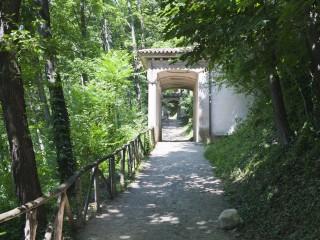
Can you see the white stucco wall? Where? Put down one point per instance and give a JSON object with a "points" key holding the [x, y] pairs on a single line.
{"points": [[227, 108]]}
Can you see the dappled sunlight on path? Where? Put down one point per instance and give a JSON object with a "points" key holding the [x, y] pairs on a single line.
{"points": [[176, 196]]}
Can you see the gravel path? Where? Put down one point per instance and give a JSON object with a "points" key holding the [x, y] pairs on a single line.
{"points": [[172, 131], [176, 196]]}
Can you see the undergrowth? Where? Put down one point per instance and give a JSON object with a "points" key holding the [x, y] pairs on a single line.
{"points": [[275, 188]]}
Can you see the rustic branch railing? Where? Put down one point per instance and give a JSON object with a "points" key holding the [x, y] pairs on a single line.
{"points": [[132, 153]]}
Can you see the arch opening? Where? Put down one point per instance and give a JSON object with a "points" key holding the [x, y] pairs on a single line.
{"points": [[185, 83], [177, 115]]}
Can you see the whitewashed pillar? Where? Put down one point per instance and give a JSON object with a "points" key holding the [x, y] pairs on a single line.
{"points": [[195, 114], [158, 129], [203, 107], [152, 98]]}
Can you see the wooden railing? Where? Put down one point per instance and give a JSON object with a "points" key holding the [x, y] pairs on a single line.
{"points": [[128, 157]]}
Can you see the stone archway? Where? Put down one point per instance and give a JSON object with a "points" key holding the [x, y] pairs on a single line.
{"points": [[165, 71], [176, 113], [180, 79]]}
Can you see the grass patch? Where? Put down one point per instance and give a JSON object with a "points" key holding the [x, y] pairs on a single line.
{"points": [[275, 188]]}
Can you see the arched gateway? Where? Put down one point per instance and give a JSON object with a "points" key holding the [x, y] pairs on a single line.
{"points": [[164, 72]]}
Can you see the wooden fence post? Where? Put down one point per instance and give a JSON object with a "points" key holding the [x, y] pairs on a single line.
{"points": [[122, 167], [147, 142], [144, 153], [69, 214], [133, 156], [80, 219], [96, 188], [151, 136], [130, 159], [30, 230], [105, 182], [112, 171], [86, 205], [136, 152], [59, 218]]}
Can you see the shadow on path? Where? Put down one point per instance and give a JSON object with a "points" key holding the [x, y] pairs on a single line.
{"points": [[176, 196]]}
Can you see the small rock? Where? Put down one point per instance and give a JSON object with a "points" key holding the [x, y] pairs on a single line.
{"points": [[229, 219]]}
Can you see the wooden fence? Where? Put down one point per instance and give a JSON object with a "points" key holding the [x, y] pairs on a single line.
{"points": [[128, 157]]}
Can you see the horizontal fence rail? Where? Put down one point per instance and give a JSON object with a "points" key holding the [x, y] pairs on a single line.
{"points": [[127, 158]]}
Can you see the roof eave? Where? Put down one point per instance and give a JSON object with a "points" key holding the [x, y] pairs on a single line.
{"points": [[147, 54]]}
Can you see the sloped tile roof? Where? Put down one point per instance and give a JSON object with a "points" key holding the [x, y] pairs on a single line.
{"points": [[165, 50]]}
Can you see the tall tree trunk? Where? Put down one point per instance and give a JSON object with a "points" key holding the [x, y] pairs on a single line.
{"points": [[83, 28], [135, 52], [279, 108], [43, 99], [105, 34], [60, 117], [314, 48], [61, 131], [24, 168], [2, 149], [142, 28], [133, 34], [306, 96], [36, 123]]}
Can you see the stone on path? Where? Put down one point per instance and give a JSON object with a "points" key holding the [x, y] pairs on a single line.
{"points": [[175, 197], [229, 219]]}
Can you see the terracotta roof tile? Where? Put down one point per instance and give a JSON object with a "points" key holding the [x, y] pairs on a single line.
{"points": [[165, 50]]}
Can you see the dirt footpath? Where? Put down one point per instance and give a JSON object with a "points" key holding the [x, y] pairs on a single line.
{"points": [[175, 197]]}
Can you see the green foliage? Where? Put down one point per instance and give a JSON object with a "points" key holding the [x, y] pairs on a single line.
{"points": [[101, 116], [186, 103], [276, 188], [10, 231], [103, 111]]}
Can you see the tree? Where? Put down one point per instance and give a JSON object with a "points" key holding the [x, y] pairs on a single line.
{"points": [[142, 27], [24, 168], [60, 117], [135, 53], [313, 36], [240, 37], [84, 35], [105, 34]]}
